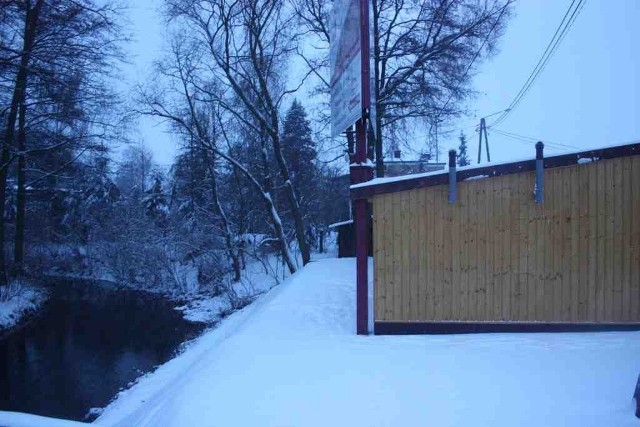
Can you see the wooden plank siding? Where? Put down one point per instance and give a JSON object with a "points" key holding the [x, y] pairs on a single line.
{"points": [[496, 256]]}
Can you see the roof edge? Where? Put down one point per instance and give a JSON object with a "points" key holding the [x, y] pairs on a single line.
{"points": [[409, 182]]}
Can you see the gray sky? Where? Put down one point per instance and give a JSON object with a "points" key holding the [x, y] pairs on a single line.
{"points": [[586, 97]]}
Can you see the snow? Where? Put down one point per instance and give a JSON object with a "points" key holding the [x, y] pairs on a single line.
{"points": [[257, 278], [16, 419], [472, 178], [292, 358], [338, 224], [23, 300], [583, 160], [366, 163]]}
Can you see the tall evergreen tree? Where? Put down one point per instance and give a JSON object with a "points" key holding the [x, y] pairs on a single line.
{"points": [[463, 156], [298, 147]]}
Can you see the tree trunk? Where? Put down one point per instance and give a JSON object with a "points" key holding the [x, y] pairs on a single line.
{"points": [[275, 218], [293, 201], [17, 99], [21, 197], [376, 87], [228, 235]]}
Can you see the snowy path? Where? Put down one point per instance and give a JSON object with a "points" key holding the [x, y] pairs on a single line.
{"points": [[292, 359]]}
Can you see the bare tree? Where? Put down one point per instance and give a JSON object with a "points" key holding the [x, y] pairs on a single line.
{"points": [[188, 103], [249, 42], [424, 54]]}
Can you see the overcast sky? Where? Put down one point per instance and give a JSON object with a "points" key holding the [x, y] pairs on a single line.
{"points": [[586, 97]]}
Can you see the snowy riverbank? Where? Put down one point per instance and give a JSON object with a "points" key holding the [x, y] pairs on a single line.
{"points": [[292, 358], [18, 301]]}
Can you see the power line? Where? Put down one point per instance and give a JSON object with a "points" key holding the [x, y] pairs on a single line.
{"points": [[532, 141], [567, 21]]}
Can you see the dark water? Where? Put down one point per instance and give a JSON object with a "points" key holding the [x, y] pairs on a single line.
{"points": [[87, 344]]}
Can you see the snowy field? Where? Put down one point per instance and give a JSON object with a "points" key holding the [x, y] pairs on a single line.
{"points": [[19, 301], [292, 359]]}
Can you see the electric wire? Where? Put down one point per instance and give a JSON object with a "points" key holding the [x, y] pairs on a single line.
{"points": [[565, 25]]}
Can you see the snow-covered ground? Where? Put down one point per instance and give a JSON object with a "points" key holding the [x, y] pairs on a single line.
{"points": [[257, 278], [293, 359], [17, 301]]}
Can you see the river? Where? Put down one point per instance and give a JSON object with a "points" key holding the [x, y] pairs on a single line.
{"points": [[88, 342]]}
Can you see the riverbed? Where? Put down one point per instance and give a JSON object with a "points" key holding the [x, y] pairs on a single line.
{"points": [[87, 343]]}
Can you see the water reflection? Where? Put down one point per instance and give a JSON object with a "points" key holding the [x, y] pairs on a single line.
{"points": [[88, 343]]}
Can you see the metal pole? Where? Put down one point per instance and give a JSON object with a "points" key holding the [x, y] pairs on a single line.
{"points": [[480, 141], [486, 139], [452, 176], [539, 172], [361, 171]]}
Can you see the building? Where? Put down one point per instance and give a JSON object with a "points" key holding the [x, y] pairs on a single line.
{"points": [[473, 250]]}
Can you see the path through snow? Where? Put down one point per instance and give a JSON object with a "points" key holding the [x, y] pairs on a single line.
{"points": [[292, 359]]}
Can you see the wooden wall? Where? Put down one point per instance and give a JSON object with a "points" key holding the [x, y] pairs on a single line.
{"points": [[495, 255]]}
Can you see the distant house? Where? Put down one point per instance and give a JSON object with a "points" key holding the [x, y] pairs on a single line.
{"points": [[347, 239], [398, 167]]}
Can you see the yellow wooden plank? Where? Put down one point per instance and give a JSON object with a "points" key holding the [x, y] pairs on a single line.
{"points": [[465, 249], [410, 245], [421, 252], [523, 225], [596, 243], [533, 261], [431, 255], [382, 241], [542, 238], [633, 218], [618, 208], [609, 266], [507, 269], [626, 249], [481, 249], [456, 223], [473, 234], [492, 255], [498, 248], [575, 244], [448, 258], [377, 273], [601, 216], [515, 249], [396, 256], [555, 274], [584, 241], [440, 218], [566, 222], [388, 257]]}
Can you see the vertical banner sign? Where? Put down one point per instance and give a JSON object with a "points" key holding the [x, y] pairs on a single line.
{"points": [[373, 99], [345, 57]]}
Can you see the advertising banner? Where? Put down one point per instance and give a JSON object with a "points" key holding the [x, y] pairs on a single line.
{"points": [[345, 57]]}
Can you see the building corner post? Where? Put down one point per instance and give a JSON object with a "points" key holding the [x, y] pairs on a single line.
{"points": [[539, 190], [452, 176]]}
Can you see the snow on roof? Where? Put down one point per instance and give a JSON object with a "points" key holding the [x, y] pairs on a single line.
{"points": [[387, 180]]}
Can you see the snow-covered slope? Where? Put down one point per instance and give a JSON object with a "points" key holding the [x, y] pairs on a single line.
{"points": [[24, 300], [293, 359]]}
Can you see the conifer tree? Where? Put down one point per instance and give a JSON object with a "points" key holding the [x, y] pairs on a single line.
{"points": [[298, 147], [463, 156]]}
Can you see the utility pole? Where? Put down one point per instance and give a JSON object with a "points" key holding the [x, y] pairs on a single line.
{"points": [[483, 130]]}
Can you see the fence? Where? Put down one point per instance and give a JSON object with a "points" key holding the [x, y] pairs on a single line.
{"points": [[494, 255]]}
